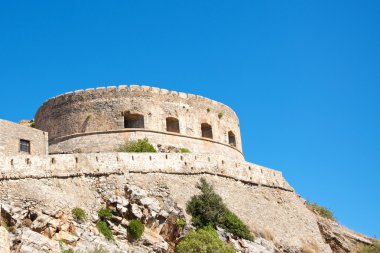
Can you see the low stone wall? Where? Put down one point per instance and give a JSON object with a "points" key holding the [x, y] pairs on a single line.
{"points": [[109, 140], [98, 164]]}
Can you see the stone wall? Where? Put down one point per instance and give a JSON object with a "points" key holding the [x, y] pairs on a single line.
{"points": [[11, 133], [110, 140], [103, 109], [77, 165]]}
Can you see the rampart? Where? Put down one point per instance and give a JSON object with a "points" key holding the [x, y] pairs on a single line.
{"points": [[100, 164], [95, 120]]}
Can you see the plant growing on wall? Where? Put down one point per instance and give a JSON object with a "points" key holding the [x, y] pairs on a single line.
{"points": [[139, 146]]}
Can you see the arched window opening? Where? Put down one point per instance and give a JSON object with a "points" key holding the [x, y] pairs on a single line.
{"points": [[231, 139], [133, 120], [172, 125], [206, 130]]}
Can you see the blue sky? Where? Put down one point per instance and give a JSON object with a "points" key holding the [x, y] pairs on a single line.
{"points": [[303, 77]]}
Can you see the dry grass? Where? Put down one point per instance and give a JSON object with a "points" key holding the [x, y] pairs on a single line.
{"points": [[266, 234], [309, 247]]}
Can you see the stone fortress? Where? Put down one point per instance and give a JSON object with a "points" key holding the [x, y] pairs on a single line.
{"points": [[85, 127], [69, 160]]}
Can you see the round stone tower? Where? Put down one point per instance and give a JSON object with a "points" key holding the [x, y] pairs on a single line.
{"points": [[101, 119]]}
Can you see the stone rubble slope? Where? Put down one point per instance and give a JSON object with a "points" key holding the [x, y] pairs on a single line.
{"points": [[35, 231]]}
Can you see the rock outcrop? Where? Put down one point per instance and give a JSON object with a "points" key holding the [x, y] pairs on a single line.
{"points": [[38, 213]]}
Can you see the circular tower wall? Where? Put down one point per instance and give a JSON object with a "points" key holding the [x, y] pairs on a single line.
{"points": [[98, 120]]}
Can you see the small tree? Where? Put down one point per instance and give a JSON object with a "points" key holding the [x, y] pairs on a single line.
{"points": [[203, 240], [206, 208]]}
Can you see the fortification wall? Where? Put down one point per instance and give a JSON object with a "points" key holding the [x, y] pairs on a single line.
{"points": [[108, 141], [77, 165], [11, 133], [102, 110]]}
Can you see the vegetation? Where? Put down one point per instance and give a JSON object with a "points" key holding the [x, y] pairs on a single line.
{"points": [[181, 222], [203, 240], [139, 146], [208, 109], [208, 209], [105, 214], [233, 224], [136, 229], [104, 230], [220, 115], [375, 248], [79, 214], [184, 150], [321, 211]]}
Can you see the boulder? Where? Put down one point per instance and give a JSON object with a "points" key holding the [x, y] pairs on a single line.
{"points": [[33, 242]]}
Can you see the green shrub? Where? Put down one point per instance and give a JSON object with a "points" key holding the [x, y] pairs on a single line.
{"points": [[139, 146], [233, 224], [67, 251], [104, 230], [322, 211], [184, 150], [203, 240], [79, 214], [220, 115], [208, 209], [105, 214], [181, 222], [136, 229]]}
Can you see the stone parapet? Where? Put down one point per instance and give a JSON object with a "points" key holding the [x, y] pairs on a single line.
{"points": [[98, 164]]}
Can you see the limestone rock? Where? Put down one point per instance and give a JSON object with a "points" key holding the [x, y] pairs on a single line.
{"points": [[4, 240], [151, 203], [33, 242]]}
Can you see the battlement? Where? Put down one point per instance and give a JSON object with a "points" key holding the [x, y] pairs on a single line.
{"points": [[98, 164], [123, 89]]}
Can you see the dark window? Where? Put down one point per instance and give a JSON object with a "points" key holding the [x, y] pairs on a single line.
{"points": [[133, 120], [25, 146], [172, 125], [206, 130], [231, 139]]}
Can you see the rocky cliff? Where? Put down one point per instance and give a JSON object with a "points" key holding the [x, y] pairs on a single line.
{"points": [[38, 214]]}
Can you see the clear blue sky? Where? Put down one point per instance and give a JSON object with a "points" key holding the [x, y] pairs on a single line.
{"points": [[303, 76]]}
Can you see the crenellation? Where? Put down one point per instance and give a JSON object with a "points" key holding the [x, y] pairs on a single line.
{"points": [[134, 87]]}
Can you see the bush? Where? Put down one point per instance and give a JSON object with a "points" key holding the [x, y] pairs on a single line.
{"points": [[233, 224], [105, 214], [139, 146], [104, 230], [184, 150], [208, 209], [220, 115], [180, 222], [203, 240], [136, 229], [79, 214], [321, 211]]}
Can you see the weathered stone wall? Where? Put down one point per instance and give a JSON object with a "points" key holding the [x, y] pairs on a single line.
{"points": [[110, 140], [102, 110], [11, 133], [74, 165]]}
